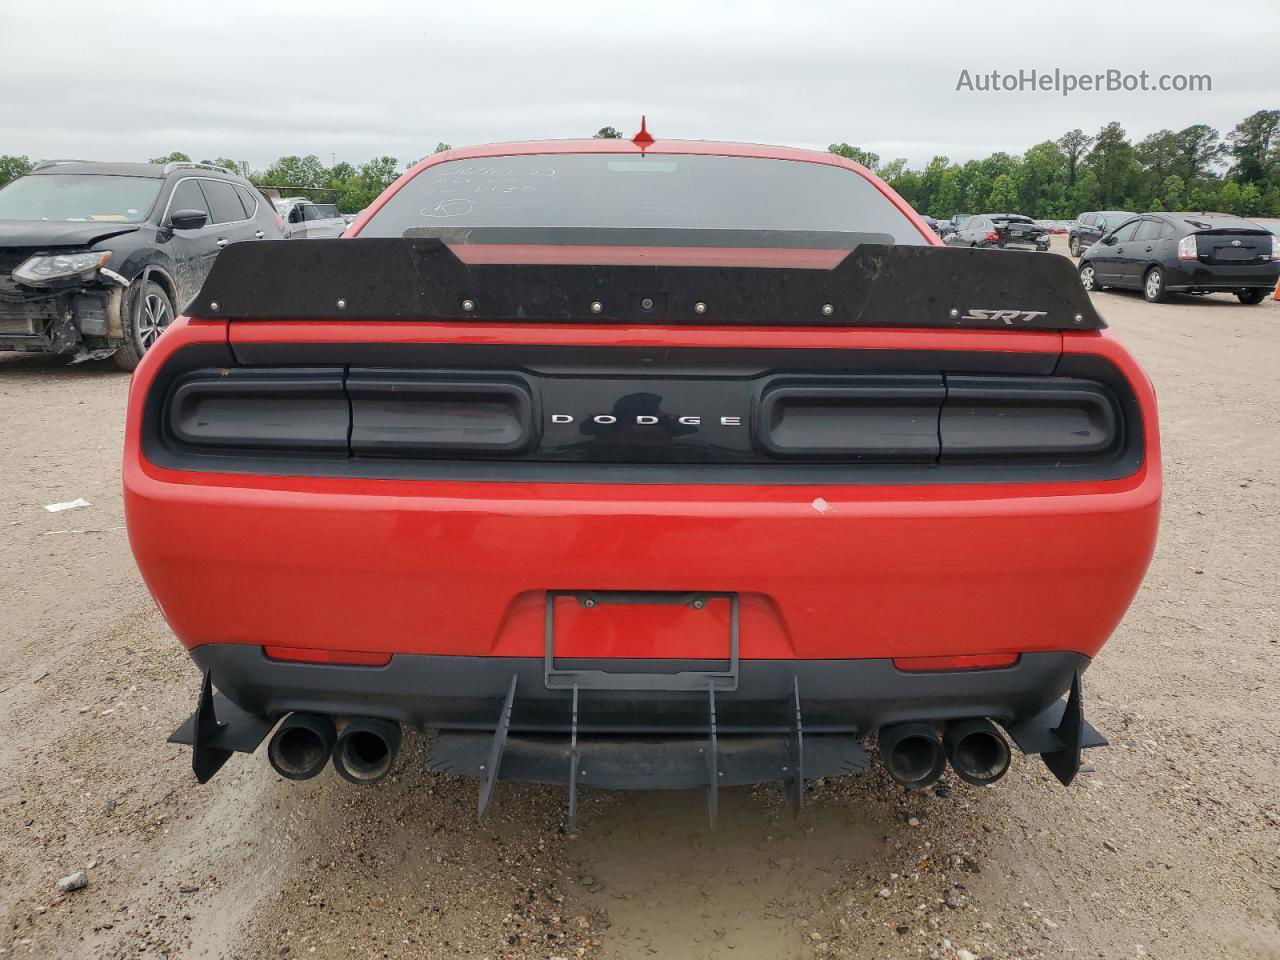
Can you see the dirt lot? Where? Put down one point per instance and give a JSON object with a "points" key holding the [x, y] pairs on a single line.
{"points": [[1170, 849]]}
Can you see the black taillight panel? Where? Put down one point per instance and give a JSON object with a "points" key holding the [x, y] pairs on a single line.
{"points": [[1018, 418], [291, 410], [408, 413], [660, 419], [854, 418]]}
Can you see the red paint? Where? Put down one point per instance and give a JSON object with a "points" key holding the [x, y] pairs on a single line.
{"points": [[648, 631], [460, 567]]}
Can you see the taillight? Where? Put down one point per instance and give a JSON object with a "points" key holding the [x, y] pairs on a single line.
{"points": [[992, 237], [1275, 247], [1187, 248], [279, 222]]}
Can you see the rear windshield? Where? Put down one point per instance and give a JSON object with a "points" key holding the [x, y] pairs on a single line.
{"points": [[567, 198], [78, 196]]}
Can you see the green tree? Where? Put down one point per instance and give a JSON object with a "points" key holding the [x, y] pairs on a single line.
{"points": [[931, 184], [294, 172], [1113, 162], [1040, 181], [1004, 195], [1160, 154], [379, 172], [441, 147], [1174, 191], [865, 157], [1205, 197], [1228, 200], [175, 157], [607, 133], [947, 199], [1199, 150], [1251, 142], [1250, 201], [1074, 145], [12, 167]]}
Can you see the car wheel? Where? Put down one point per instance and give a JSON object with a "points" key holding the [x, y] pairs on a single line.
{"points": [[1089, 279], [1074, 246], [1153, 285], [1255, 295], [142, 327]]}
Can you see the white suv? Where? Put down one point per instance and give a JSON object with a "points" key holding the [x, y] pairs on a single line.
{"points": [[304, 220]]}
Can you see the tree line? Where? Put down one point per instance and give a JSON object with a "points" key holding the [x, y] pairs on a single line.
{"points": [[1190, 169]]}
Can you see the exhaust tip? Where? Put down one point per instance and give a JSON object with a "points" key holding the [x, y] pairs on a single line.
{"points": [[979, 754], [912, 753], [366, 749], [301, 745]]}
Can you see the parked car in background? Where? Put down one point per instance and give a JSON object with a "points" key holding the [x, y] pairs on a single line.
{"points": [[933, 224], [96, 259], [1090, 227], [1008, 231], [1052, 226], [948, 227], [306, 220], [1160, 253]]}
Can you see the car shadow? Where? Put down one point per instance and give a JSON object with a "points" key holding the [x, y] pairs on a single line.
{"points": [[1203, 301], [16, 366]]}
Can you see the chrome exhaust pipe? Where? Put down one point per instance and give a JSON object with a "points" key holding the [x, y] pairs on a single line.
{"points": [[979, 754], [366, 749], [301, 745], [912, 753]]}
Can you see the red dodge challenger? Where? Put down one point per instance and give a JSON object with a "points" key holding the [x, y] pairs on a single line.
{"points": [[641, 464]]}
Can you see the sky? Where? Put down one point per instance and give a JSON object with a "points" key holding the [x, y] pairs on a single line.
{"points": [[349, 81]]}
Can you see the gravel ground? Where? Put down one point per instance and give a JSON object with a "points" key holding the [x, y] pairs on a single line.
{"points": [[1169, 849]]}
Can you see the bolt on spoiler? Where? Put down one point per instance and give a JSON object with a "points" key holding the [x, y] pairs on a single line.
{"points": [[421, 278]]}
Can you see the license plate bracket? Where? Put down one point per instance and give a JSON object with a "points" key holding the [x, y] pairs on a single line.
{"points": [[704, 612]]}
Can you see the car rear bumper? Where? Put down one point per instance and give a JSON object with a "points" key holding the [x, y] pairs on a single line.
{"points": [[467, 693], [1222, 277]]}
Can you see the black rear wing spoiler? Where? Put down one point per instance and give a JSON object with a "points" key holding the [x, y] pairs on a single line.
{"points": [[420, 278]]}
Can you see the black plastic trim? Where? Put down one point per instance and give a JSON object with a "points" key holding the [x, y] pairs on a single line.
{"points": [[296, 410], [414, 413], [889, 418], [642, 366], [1019, 417], [466, 692]]}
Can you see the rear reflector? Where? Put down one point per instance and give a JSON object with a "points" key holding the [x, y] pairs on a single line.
{"points": [[970, 661], [349, 658]]}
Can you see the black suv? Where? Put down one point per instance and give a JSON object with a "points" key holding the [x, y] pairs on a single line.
{"points": [[95, 257], [1160, 253], [1090, 227], [1008, 231]]}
